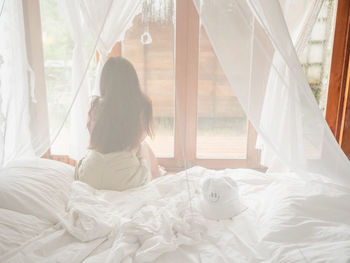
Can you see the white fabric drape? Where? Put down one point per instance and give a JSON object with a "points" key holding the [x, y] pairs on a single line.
{"points": [[244, 34], [17, 96], [300, 17], [79, 135]]}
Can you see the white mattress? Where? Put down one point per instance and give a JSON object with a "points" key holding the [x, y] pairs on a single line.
{"points": [[289, 219]]}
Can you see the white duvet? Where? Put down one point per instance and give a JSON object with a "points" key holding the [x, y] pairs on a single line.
{"points": [[289, 219]]}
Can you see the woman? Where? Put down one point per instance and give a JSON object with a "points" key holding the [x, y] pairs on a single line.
{"points": [[119, 121]]}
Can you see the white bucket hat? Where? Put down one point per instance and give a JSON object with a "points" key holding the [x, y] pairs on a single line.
{"points": [[220, 199]]}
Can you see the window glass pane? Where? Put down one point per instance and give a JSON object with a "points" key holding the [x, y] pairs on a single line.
{"points": [[317, 55], [221, 122], [154, 64]]}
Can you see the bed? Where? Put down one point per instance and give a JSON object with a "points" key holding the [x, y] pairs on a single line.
{"points": [[45, 216]]}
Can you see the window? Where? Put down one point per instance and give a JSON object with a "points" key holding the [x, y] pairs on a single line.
{"points": [[222, 126], [197, 115], [182, 115], [200, 120]]}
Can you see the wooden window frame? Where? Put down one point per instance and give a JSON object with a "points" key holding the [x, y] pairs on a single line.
{"points": [[338, 101], [186, 96]]}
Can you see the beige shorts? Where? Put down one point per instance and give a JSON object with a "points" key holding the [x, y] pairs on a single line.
{"points": [[116, 171]]}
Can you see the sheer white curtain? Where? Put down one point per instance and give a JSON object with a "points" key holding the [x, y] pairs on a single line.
{"points": [[256, 51], [104, 23], [119, 20], [77, 29], [18, 137], [300, 17], [101, 22]]}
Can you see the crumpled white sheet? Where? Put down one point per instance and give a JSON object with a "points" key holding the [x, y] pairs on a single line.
{"points": [[141, 230], [289, 219]]}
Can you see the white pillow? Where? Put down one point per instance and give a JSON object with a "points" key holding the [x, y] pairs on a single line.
{"points": [[38, 187]]}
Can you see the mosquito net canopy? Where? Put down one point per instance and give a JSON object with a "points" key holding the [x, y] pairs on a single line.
{"points": [[256, 42]]}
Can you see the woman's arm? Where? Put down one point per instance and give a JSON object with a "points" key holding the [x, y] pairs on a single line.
{"points": [[92, 114]]}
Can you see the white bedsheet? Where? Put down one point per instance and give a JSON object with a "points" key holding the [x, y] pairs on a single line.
{"points": [[289, 219]]}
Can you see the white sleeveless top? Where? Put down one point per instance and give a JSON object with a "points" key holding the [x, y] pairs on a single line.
{"points": [[116, 171]]}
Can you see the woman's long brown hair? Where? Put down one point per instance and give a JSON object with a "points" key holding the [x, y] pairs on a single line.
{"points": [[124, 111]]}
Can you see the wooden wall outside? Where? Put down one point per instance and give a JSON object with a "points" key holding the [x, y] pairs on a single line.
{"points": [[155, 66]]}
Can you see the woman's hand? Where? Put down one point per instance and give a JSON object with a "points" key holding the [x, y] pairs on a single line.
{"points": [[146, 152], [162, 170]]}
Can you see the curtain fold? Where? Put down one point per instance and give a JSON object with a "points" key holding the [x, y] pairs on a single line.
{"points": [[279, 103], [16, 89], [300, 17], [78, 133]]}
